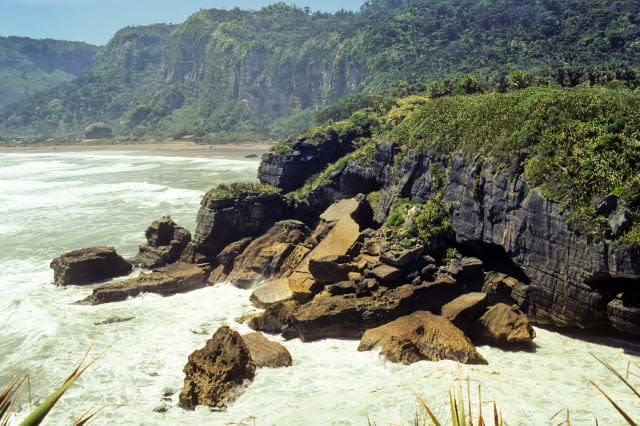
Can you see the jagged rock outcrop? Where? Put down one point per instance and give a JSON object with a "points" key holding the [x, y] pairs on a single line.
{"points": [[165, 242], [568, 278], [175, 278], [89, 265], [337, 232], [264, 256], [215, 373], [266, 353], [421, 336], [221, 221], [349, 315]]}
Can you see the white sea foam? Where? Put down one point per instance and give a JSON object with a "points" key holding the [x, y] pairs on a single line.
{"points": [[141, 359]]}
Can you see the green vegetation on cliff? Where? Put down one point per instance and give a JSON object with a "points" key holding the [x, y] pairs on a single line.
{"points": [[29, 66], [236, 189], [267, 73], [576, 144]]}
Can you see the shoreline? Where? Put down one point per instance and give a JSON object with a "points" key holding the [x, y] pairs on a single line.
{"points": [[172, 149]]}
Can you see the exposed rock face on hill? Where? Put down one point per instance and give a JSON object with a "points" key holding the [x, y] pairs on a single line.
{"points": [[90, 265], [305, 158]]}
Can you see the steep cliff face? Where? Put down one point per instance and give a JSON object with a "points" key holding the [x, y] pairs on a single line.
{"points": [[584, 276], [231, 216], [136, 48], [275, 60], [491, 208]]}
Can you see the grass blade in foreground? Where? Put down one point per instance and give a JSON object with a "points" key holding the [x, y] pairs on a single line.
{"points": [[41, 411]]}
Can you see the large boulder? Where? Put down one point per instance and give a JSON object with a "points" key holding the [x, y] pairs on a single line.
{"points": [[421, 336], [349, 315], [165, 242], [270, 292], [175, 278], [624, 312], [89, 265], [266, 353], [230, 214], [215, 373], [504, 325], [500, 287], [264, 256]]}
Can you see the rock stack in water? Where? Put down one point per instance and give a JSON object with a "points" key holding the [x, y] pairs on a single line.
{"points": [[87, 266], [215, 374], [166, 240]]}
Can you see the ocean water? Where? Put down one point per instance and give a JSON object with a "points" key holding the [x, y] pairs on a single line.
{"points": [[52, 203]]}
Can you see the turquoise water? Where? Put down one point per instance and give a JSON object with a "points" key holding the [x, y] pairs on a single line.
{"points": [[52, 203]]}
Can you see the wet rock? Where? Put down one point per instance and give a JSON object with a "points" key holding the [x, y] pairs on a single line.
{"points": [[270, 292], [465, 310], [113, 320], [229, 254], [344, 287], [87, 266], [265, 255], [504, 325], [163, 408], [166, 241], [624, 312], [215, 373], [421, 336], [266, 353], [275, 318], [221, 221], [175, 278]]}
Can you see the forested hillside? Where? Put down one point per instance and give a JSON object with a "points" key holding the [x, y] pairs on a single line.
{"points": [[29, 66], [125, 72], [245, 74]]}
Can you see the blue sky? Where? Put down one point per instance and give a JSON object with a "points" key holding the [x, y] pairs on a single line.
{"points": [[95, 21]]}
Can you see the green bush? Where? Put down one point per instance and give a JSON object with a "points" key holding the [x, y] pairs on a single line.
{"points": [[98, 131]]}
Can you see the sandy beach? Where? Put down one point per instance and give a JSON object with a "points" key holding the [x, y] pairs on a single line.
{"points": [[174, 148]]}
